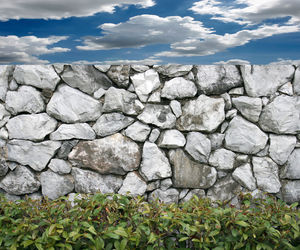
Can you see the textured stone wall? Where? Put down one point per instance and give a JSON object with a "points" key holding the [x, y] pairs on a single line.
{"points": [[159, 131]]}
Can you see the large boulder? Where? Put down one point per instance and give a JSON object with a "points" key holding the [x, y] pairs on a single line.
{"points": [[133, 184], [73, 131], [178, 88]]}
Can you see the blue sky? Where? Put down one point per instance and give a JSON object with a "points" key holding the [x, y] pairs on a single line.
{"points": [[149, 31]]}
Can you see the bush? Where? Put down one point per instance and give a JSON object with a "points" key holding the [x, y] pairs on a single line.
{"points": [[120, 222]]}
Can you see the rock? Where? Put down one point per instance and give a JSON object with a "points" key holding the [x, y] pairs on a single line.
{"points": [[20, 181], [36, 155], [154, 135], [119, 74], [25, 99], [281, 116], [35, 196], [286, 89], [236, 91], [4, 115], [249, 107], [217, 79], [155, 97], [183, 193], [165, 184], [231, 114], [102, 68], [99, 93], [227, 100], [3, 168], [198, 146], [85, 77], [145, 83], [171, 138], [241, 159], [178, 88], [13, 85], [111, 123], [3, 134], [159, 115], [12, 165], [5, 71], [133, 184], [155, 164], [31, 127], [190, 174], [11, 197], [58, 67], [281, 146], [244, 137], [244, 176], [176, 108], [106, 155], [40, 76], [153, 185], [222, 159], [224, 189], [291, 170], [224, 126], [264, 152], [55, 185], [222, 174], [173, 70], [216, 140], [166, 196], [296, 82], [71, 106], [73, 131], [139, 68], [200, 193], [272, 77], [138, 131], [291, 191], [122, 100], [266, 174], [203, 114], [60, 166], [90, 182], [265, 101], [66, 148], [75, 198]]}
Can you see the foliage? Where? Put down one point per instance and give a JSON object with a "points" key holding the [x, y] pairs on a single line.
{"points": [[120, 222]]}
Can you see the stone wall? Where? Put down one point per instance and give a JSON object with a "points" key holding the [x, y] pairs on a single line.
{"points": [[160, 131]]}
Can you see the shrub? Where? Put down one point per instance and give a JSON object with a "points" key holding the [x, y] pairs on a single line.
{"points": [[120, 222]]}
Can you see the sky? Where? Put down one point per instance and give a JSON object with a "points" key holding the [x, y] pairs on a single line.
{"points": [[150, 31]]}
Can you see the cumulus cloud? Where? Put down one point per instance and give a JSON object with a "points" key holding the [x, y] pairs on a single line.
{"points": [[58, 9], [281, 61], [147, 61], [26, 49], [234, 62]]}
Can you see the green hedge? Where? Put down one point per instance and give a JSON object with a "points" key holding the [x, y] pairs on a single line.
{"points": [[120, 222]]}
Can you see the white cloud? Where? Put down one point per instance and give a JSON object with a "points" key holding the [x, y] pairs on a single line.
{"points": [[147, 61], [58, 9], [286, 61], [26, 49], [234, 62]]}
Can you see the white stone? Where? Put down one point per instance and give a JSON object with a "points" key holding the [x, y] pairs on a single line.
{"points": [[244, 137], [176, 108], [73, 131], [155, 97], [265, 101], [296, 82], [155, 164], [166, 196], [173, 70], [171, 138], [165, 184], [291, 191], [138, 131], [227, 100], [291, 169], [216, 140], [154, 135], [222, 159], [200, 193], [231, 114], [60, 166], [103, 68], [139, 68], [133, 184], [3, 134], [31, 127], [13, 85], [71, 106], [198, 146], [99, 93], [244, 176], [264, 80], [4, 115], [236, 91], [145, 83], [266, 173], [249, 107], [153, 185], [119, 74], [58, 67], [178, 88], [224, 126], [5, 71], [286, 89]]}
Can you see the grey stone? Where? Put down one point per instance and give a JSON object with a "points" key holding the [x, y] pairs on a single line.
{"points": [[25, 99], [222, 159], [281, 146], [85, 77], [203, 114], [165, 184], [66, 148], [139, 68], [173, 70], [4, 115], [71, 106], [241, 159], [138, 131], [222, 174], [227, 100], [60, 166], [155, 97], [12, 197], [244, 137], [35, 196], [291, 169], [36, 155], [216, 140], [20, 181], [145, 83], [291, 191], [264, 80], [171, 138], [5, 71], [103, 68], [154, 135], [178, 88], [3, 134], [166, 196], [198, 146], [55, 185], [266, 173], [3, 167], [99, 93], [31, 127], [244, 176], [12, 165], [236, 91], [40, 76], [200, 193], [90, 182], [119, 74], [73, 131], [176, 108], [231, 114], [281, 116], [133, 184], [190, 174], [106, 155], [159, 115], [286, 89], [264, 151], [183, 193], [13, 85], [155, 164], [249, 107], [58, 67], [122, 100], [265, 101], [217, 79], [111, 123], [296, 82], [153, 185]]}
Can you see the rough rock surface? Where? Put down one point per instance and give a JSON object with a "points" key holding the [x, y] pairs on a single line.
{"points": [[198, 146], [173, 70], [133, 184], [171, 138], [167, 196], [154, 135], [73, 131], [176, 108], [119, 74], [4, 115], [203, 114], [222, 159], [198, 192], [66, 148], [60, 166], [138, 131], [244, 176], [291, 191], [296, 82], [179, 88], [291, 170], [5, 70], [249, 107], [106, 155]]}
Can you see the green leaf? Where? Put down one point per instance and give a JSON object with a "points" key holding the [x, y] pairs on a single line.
{"points": [[99, 243], [123, 244], [89, 236], [214, 233], [51, 229], [92, 230], [183, 239], [152, 238], [121, 231], [234, 232], [27, 243], [242, 223], [113, 236]]}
